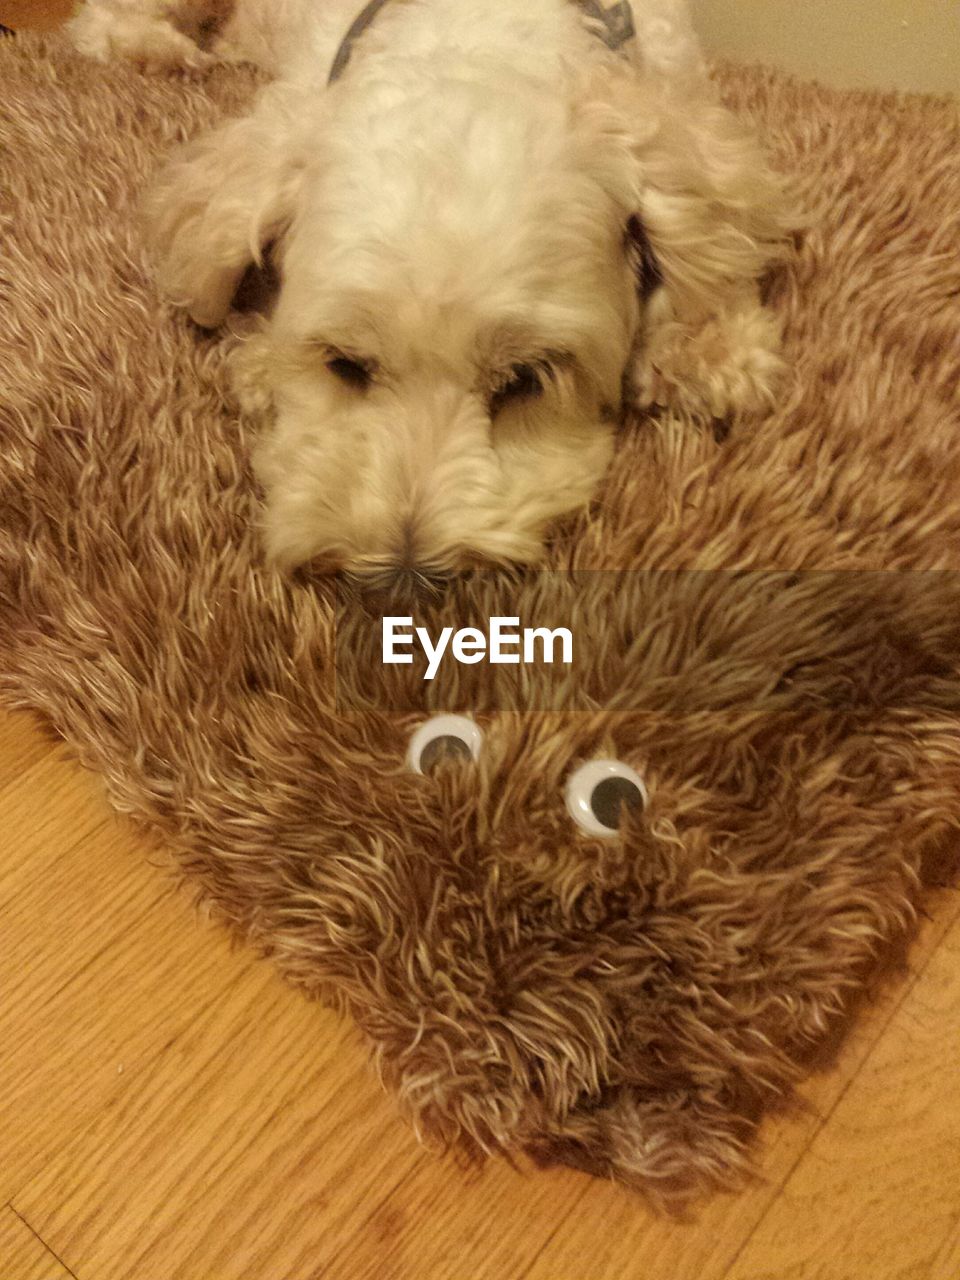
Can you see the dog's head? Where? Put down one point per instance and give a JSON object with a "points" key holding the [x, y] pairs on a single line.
{"points": [[459, 301], [447, 353]]}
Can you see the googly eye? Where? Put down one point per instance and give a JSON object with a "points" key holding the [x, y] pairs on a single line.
{"points": [[444, 737], [599, 791]]}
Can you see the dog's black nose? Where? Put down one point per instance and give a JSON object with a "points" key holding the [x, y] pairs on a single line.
{"points": [[396, 587]]}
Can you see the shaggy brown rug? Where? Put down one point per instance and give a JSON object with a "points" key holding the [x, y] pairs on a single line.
{"points": [[627, 1005]]}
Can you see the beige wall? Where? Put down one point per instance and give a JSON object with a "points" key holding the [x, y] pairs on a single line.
{"points": [[898, 44]]}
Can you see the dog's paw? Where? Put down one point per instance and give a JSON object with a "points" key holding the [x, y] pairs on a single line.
{"points": [[729, 364]]}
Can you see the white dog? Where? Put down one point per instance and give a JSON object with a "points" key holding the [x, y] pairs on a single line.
{"points": [[494, 219]]}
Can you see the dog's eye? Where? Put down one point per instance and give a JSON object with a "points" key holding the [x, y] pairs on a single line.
{"points": [[441, 738], [352, 372], [599, 791], [524, 382]]}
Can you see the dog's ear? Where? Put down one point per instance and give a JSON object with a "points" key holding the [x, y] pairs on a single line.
{"points": [[705, 217], [217, 203], [711, 210]]}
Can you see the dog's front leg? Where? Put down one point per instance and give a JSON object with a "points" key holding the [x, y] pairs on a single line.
{"points": [[714, 218]]}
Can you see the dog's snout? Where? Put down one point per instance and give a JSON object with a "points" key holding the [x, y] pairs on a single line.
{"points": [[405, 576], [391, 586]]}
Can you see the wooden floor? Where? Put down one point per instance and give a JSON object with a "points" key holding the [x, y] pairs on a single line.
{"points": [[38, 15], [170, 1111]]}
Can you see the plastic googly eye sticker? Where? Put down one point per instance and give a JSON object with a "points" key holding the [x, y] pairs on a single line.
{"points": [[444, 737], [598, 792]]}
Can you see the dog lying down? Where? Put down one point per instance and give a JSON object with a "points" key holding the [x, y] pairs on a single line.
{"points": [[497, 224]]}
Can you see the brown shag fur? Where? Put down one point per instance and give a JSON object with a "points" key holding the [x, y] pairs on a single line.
{"points": [[626, 1006]]}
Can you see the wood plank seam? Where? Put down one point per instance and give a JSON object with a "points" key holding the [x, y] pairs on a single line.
{"points": [[824, 1118], [9, 1205]]}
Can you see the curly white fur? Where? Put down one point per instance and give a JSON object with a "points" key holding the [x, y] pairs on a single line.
{"points": [[459, 315]]}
